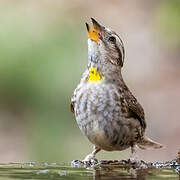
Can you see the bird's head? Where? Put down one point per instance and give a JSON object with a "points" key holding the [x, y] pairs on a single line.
{"points": [[105, 50]]}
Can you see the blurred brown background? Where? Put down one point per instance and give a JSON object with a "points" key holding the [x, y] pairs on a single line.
{"points": [[43, 52]]}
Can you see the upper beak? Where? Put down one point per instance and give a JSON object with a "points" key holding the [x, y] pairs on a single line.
{"points": [[96, 32]]}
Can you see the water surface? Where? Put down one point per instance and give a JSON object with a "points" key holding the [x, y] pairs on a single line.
{"points": [[65, 172]]}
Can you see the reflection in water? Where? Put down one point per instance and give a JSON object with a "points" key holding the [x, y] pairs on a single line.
{"points": [[116, 173]]}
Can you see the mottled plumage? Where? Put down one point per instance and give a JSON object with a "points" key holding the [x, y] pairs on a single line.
{"points": [[105, 110]]}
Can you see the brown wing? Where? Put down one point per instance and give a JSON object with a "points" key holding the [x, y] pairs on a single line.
{"points": [[72, 106], [134, 108], [73, 101]]}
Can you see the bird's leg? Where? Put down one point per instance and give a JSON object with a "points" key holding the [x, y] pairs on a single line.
{"points": [[133, 157], [92, 155]]}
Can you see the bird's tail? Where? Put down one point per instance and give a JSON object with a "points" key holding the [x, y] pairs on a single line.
{"points": [[147, 143]]}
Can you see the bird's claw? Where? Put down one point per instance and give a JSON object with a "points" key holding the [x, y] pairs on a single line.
{"points": [[90, 159]]}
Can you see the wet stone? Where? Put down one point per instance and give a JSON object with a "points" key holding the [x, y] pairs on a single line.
{"points": [[174, 164], [111, 163], [77, 163], [169, 164], [177, 169]]}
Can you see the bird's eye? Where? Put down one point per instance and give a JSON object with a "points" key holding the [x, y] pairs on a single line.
{"points": [[112, 39]]}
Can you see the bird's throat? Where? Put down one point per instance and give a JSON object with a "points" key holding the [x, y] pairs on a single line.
{"points": [[95, 75]]}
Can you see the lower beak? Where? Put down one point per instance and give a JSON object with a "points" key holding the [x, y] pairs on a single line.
{"points": [[95, 33]]}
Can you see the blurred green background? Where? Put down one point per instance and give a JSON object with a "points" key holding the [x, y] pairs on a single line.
{"points": [[43, 52]]}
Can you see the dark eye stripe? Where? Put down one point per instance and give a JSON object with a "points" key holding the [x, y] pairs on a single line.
{"points": [[123, 55], [120, 57], [123, 51]]}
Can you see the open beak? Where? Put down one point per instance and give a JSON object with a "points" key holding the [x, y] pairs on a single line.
{"points": [[96, 32]]}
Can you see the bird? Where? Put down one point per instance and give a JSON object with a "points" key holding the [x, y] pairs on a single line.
{"points": [[106, 111]]}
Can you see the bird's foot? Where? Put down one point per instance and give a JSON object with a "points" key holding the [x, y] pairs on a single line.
{"points": [[134, 158], [91, 159]]}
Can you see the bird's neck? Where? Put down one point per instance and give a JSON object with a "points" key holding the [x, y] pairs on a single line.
{"points": [[98, 74], [95, 75]]}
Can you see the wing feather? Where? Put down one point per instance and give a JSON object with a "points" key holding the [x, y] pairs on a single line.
{"points": [[134, 108]]}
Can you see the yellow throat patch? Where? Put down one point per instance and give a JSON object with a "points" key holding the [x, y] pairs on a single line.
{"points": [[94, 75]]}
